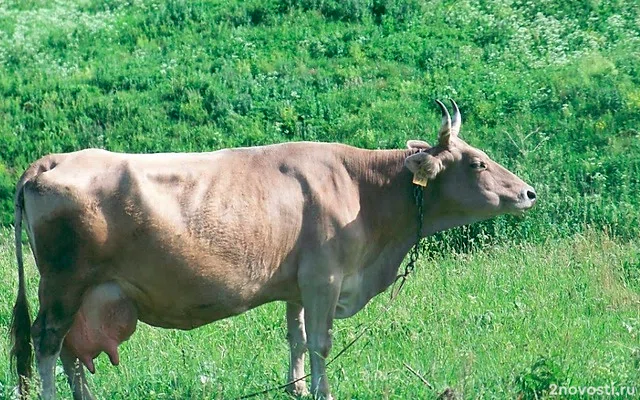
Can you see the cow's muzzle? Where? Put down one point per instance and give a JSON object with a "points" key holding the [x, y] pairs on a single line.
{"points": [[527, 198]]}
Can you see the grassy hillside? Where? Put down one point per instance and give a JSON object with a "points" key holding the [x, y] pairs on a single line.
{"points": [[549, 88]]}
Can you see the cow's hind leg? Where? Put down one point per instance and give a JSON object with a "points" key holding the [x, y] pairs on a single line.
{"points": [[75, 375], [298, 346], [58, 306], [319, 298]]}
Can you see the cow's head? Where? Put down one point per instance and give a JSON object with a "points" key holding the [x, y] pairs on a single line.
{"points": [[464, 183]]}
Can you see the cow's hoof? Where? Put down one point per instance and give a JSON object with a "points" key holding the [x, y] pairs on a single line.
{"points": [[298, 389], [322, 396]]}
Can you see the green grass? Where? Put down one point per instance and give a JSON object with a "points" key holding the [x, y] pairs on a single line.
{"points": [[495, 323]]}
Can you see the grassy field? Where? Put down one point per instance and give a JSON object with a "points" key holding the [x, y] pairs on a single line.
{"points": [[500, 309], [490, 324]]}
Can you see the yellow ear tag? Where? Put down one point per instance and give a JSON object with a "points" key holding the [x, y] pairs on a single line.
{"points": [[421, 178]]}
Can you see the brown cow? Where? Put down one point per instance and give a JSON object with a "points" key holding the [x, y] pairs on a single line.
{"points": [[181, 240]]}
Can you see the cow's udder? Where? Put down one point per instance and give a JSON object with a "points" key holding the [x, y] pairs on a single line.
{"points": [[105, 319]]}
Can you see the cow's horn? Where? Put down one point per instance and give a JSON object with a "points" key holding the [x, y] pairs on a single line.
{"points": [[456, 122], [445, 129]]}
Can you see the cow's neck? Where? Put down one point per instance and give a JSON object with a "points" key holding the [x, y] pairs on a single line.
{"points": [[386, 196], [386, 222], [388, 212]]}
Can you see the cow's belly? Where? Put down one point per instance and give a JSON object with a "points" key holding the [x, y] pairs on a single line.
{"points": [[173, 289], [189, 314], [188, 306]]}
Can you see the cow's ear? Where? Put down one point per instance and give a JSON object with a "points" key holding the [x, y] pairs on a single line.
{"points": [[418, 145], [423, 165]]}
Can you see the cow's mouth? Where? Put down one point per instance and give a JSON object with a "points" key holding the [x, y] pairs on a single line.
{"points": [[522, 206], [519, 212]]}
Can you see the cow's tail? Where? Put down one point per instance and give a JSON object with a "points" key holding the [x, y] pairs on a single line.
{"points": [[21, 350]]}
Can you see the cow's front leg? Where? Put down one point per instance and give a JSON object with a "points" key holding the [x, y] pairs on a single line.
{"points": [[298, 346], [319, 299]]}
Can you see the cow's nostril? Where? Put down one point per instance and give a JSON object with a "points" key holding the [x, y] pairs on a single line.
{"points": [[531, 194]]}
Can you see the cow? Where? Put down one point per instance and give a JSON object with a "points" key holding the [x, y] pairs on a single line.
{"points": [[179, 240]]}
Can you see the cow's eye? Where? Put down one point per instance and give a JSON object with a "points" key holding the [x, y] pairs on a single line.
{"points": [[478, 165]]}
